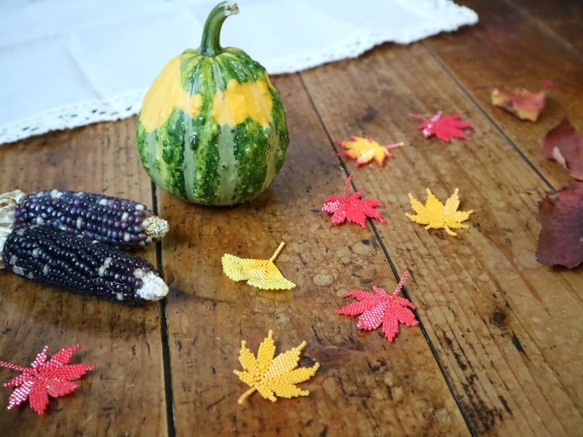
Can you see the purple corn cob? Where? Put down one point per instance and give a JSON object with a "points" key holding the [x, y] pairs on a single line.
{"points": [[121, 223], [62, 259]]}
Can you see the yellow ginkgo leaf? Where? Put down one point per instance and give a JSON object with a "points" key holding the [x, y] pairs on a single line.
{"points": [[271, 376], [364, 150], [436, 215], [260, 273]]}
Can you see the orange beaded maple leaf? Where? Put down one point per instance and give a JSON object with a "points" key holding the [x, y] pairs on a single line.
{"points": [[380, 308], [44, 378], [352, 208], [364, 150], [271, 376]]}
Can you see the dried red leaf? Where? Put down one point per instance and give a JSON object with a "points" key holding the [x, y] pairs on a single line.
{"points": [[560, 241], [381, 308], [444, 127], [566, 147], [525, 104], [44, 378], [352, 208]]}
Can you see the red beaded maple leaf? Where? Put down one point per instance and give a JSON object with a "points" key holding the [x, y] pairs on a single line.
{"points": [[444, 127], [44, 378], [381, 308], [352, 208]]}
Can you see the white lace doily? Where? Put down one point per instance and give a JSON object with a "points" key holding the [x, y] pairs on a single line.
{"points": [[67, 63]]}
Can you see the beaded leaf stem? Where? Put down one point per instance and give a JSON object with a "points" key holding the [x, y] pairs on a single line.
{"points": [[271, 376], [45, 378]]}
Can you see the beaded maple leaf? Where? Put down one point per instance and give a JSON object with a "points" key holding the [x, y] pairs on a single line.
{"points": [[444, 127], [352, 208], [436, 215], [271, 376], [364, 150], [260, 273], [380, 308], [45, 378]]}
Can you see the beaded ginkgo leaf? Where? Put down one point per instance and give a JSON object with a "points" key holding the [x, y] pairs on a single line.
{"points": [[352, 208], [260, 273], [380, 308], [273, 376], [45, 378], [364, 150], [436, 215]]}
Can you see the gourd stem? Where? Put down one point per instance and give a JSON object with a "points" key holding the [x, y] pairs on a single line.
{"points": [[210, 44]]}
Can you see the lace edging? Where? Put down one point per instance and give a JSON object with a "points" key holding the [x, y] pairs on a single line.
{"points": [[129, 104]]}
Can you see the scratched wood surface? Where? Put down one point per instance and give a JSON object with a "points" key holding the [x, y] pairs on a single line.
{"points": [[124, 343], [498, 350]]}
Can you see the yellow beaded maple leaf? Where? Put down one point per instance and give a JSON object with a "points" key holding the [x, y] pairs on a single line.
{"points": [[436, 215], [271, 376], [364, 150], [260, 273]]}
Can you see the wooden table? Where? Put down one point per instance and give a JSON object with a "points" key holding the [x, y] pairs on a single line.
{"points": [[498, 349]]}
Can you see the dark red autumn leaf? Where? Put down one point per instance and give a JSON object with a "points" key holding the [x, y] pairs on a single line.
{"points": [[566, 147], [352, 208], [560, 215], [445, 127], [525, 104], [45, 378], [381, 308]]}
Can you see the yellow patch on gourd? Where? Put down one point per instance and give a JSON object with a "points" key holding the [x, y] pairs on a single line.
{"points": [[164, 95], [239, 101]]}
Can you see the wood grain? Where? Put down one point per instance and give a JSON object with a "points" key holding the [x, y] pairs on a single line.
{"points": [[561, 17], [510, 49], [365, 386], [125, 393], [498, 350], [490, 308]]}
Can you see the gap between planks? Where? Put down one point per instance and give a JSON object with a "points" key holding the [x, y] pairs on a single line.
{"points": [[473, 431]]}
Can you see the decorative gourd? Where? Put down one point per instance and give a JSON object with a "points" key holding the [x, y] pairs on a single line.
{"points": [[212, 128]]}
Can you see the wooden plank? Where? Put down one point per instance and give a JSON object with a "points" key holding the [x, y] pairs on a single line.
{"points": [[125, 394], [365, 386], [563, 17], [509, 49], [505, 327]]}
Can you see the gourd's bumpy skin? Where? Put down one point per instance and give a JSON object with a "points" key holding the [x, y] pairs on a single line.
{"points": [[212, 129]]}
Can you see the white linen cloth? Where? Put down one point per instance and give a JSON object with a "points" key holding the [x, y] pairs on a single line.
{"points": [[67, 63]]}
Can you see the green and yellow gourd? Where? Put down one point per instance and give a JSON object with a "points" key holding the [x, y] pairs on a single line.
{"points": [[212, 129]]}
